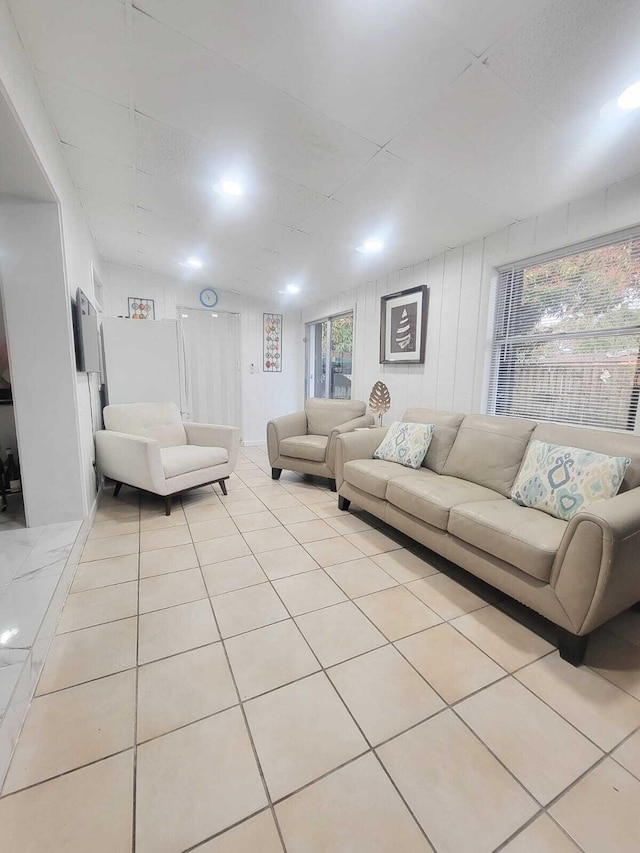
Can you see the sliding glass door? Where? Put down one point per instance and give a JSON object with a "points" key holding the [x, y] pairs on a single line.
{"points": [[330, 357]]}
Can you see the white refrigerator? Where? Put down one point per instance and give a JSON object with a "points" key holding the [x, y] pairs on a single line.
{"points": [[141, 361]]}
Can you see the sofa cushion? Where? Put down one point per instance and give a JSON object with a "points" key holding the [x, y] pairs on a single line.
{"points": [[191, 457], [313, 447], [563, 480], [430, 496], [405, 443], [526, 538], [488, 450], [446, 428], [372, 475], [599, 441], [323, 416]]}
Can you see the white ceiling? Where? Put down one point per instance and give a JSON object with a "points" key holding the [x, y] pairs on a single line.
{"points": [[426, 123]]}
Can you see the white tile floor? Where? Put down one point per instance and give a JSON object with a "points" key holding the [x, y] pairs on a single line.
{"points": [[261, 672]]}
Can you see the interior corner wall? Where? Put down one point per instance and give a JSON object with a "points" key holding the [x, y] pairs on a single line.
{"points": [[264, 395], [460, 323], [79, 251], [41, 360]]}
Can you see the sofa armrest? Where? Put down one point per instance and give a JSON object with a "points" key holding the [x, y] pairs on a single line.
{"points": [[356, 445], [131, 459], [596, 573], [285, 427], [349, 426], [213, 435]]}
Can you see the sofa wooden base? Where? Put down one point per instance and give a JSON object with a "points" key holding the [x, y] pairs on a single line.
{"points": [[275, 473], [168, 498], [343, 503]]}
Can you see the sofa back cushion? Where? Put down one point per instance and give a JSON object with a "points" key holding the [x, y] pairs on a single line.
{"points": [[599, 441], [325, 415], [160, 421], [488, 450], [405, 443], [446, 425], [562, 480]]}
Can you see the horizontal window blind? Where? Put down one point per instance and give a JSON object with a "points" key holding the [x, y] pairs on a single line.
{"points": [[566, 343]]}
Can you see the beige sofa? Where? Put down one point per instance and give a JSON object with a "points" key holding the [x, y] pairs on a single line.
{"points": [[306, 441], [577, 574]]}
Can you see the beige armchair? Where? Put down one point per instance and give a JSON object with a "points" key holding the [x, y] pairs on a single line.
{"points": [[148, 446], [306, 441]]}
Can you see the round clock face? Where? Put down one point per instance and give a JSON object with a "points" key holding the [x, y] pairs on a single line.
{"points": [[208, 297]]}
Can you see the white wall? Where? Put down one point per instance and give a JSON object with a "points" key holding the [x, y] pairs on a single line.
{"points": [[264, 395], [18, 83], [42, 361], [460, 286]]}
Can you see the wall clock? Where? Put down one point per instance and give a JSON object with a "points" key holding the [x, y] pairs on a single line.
{"points": [[209, 297]]}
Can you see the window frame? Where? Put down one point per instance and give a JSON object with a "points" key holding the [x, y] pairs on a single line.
{"points": [[500, 316], [328, 319]]}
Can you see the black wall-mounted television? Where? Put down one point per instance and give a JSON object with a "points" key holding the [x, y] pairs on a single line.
{"points": [[86, 333]]}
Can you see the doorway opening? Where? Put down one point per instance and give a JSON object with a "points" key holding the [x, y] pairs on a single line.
{"points": [[210, 366]]}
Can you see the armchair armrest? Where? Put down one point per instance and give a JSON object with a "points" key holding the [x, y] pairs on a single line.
{"points": [[349, 426], [131, 459], [597, 570], [356, 445], [285, 427], [213, 435]]}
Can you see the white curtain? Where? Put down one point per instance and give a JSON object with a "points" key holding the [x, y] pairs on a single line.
{"points": [[210, 366]]}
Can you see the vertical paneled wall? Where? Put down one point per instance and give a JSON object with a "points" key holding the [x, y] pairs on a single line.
{"points": [[454, 374]]}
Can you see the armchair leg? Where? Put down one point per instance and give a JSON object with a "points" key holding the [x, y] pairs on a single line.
{"points": [[116, 490], [572, 648], [223, 486], [275, 473], [332, 485], [343, 503], [167, 505]]}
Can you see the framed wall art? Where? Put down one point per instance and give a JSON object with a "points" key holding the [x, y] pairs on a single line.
{"points": [[272, 331], [403, 326], [141, 309]]}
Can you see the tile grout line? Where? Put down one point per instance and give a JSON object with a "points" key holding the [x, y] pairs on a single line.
{"points": [[135, 717], [349, 712], [244, 717]]}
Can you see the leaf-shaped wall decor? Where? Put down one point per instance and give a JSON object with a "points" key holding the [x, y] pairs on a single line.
{"points": [[380, 399]]}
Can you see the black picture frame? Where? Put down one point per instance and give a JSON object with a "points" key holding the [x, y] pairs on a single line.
{"points": [[412, 306]]}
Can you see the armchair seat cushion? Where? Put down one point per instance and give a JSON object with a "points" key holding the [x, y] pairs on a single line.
{"points": [[431, 497], [372, 475], [190, 457], [313, 447], [526, 538]]}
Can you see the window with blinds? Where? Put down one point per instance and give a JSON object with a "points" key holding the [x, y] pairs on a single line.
{"points": [[566, 343]]}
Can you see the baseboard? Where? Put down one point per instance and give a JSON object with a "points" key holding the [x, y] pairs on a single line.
{"points": [[258, 443]]}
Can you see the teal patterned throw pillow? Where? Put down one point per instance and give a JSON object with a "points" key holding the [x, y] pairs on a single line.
{"points": [[562, 480], [406, 444]]}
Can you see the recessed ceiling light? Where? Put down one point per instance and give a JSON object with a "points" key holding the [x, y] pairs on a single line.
{"points": [[231, 188], [369, 246], [630, 98], [192, 263], [290, 288]]}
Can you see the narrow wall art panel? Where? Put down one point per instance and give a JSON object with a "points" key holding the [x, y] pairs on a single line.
{"points": [[272, 331]]}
